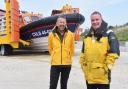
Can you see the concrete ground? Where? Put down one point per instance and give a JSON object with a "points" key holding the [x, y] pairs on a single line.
{"points": [[31, 71]]}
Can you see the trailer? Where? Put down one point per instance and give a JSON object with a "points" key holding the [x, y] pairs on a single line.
{"points": [[23, 30], [9, 28]]}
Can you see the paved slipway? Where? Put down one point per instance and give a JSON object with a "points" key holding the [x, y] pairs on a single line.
{"points": [[31, 71]]}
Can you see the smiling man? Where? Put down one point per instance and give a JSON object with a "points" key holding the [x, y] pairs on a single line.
{"points": [[99, 51], [61, 49]]}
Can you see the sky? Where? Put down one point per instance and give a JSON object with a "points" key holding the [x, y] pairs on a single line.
{"points": [[114, 12]]}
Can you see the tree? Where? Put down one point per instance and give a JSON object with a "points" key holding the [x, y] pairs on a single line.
{"points": [[110, 27]]}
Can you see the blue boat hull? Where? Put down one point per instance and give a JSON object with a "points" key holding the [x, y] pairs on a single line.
{"points": [[42, 27]]}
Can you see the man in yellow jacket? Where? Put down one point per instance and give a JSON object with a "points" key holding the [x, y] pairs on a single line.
{"points": [[61, 49], [99, 52]]}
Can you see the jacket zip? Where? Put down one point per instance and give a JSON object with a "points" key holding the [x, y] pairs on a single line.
{"points": [[61, 53], [61, 47]]}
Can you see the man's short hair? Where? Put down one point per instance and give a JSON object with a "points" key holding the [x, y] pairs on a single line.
{"points": [[96, 12], [61, 17]]}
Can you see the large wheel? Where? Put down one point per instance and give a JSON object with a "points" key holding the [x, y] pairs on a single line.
{"points": [[3, 51], [6, 50]]}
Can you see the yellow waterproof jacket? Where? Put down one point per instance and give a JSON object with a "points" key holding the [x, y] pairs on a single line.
{"points": [[97, 55], [61, 52]]}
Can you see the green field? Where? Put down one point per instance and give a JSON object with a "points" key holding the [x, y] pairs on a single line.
{"points": [[121, 33]]}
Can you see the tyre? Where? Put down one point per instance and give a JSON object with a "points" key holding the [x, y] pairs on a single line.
{"points": [[6, 50]]}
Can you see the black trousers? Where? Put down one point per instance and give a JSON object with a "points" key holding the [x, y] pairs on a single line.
{"points": [[98, 86], [63, 71]]}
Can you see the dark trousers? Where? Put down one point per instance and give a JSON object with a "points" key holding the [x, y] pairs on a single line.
{"points": [[63, 71], [98, 86]]}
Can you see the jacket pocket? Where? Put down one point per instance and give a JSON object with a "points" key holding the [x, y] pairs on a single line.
{"points": [[66, 54], [97, 71]]}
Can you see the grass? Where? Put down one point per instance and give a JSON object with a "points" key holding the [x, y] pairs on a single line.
{"points": [[121, 33]]}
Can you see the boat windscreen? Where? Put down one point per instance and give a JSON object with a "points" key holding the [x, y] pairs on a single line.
{"points": [[27, 19], [35, 18]]}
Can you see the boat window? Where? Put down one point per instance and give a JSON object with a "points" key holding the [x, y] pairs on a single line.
{"points": [[75, 11], [35, 18], [27, 19], [55, 12]]}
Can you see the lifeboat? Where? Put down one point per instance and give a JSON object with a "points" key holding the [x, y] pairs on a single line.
{"points": [[42, 27], [36, 31]]}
